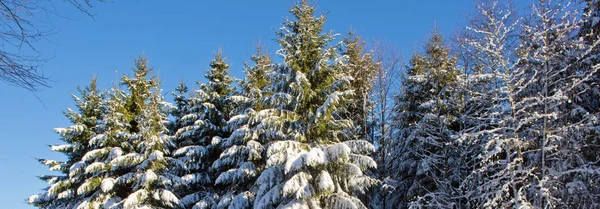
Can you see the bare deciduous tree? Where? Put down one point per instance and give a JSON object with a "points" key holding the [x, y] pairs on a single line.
{"points": [[20, 28], [386, 77]]}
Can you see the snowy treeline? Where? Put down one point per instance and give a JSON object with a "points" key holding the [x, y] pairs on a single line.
{"points": [[504, 115]]}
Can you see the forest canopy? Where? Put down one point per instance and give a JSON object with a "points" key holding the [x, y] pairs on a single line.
{"points": [[503, 115]]}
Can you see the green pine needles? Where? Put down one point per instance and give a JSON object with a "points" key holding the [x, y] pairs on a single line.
{"points": [[505, 116]]}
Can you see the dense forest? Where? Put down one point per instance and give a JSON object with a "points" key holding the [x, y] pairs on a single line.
{"points": [[504, 114]]}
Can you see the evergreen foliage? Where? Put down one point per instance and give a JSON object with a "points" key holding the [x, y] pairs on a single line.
{"points": [[504, 117], [202, 120], [426, 129], [62, 190], [361, 67]]}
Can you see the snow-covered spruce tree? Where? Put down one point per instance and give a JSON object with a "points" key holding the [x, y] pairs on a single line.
{"points": [[554, 127], [106, 145], [199, 138], [152, 182], [290, 139], [181, 107], [488, 129], [359, 65], [311, 158], [257, 78], [62, 192], [425, 156], [128, 164], [241, 153]]}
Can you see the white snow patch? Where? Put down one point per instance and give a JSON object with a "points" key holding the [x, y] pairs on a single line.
{"points": [[324, 182]]}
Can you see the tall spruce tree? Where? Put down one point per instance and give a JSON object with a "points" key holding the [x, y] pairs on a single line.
{"points": [[257, 76], [181, 107], [128, 164], [312, 159], [152, 181], [241, 152], [62, 190], [199, 140], [426, 126], [360, 66], [290, 148]]}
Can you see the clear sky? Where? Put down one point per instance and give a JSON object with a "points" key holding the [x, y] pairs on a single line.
{"points": [[179, 39]]}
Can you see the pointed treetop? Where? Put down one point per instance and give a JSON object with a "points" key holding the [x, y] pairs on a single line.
{"points": [[90, 88], [141, 69], [261, 60], [140, 73], [436, 44], [90, 102], [303, 45], [218, 63], [182, 87], [88, 93], [218, 76], [436, 61]]}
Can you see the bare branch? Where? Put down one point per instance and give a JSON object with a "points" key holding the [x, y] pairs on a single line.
{"points": [[20, 26], [386, 76]]}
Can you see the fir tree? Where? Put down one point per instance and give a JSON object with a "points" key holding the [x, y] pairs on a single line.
{"points": [[312, 160], [152, 182], [292, 133], [62, 191], [360, 66], [199, 140], [242, 151], [128, 163], [257, 75], [181, 108], [426, 124]]}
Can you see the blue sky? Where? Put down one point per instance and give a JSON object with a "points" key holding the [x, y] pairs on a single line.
{"points": [[179, 39]]}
